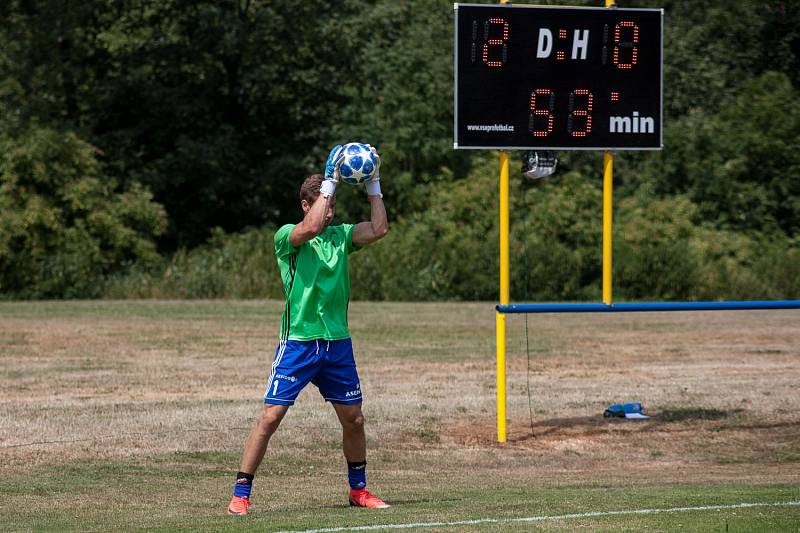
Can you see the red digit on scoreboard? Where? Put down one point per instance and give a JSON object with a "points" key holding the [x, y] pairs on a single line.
{"points": [[585, 113], [541, 95], [619, 44], [503, 51]]}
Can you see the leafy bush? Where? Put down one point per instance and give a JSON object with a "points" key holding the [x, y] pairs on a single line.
{"points": [[738, 266], [440, 253], [663, 250], [653, 255], [741, 166], [556, 245], [240, 265], [64, 225]]}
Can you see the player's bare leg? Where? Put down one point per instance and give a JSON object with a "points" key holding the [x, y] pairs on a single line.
{"points": [[354, 446], [254, 449], [354, 441], [256, 444]]}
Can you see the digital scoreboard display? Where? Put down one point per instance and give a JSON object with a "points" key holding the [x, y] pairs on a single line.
{"points": [[535, 77]]}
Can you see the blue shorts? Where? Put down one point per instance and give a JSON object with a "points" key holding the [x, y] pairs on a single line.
{"points": [[329, 365]]}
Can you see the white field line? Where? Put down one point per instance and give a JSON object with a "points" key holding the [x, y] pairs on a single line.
{"points": [[543, 517]]}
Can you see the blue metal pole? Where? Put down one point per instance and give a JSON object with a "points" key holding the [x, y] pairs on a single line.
{"points": [[649, 306]]}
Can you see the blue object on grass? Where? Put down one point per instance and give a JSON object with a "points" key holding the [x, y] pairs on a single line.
{"points": [[627, 410]]}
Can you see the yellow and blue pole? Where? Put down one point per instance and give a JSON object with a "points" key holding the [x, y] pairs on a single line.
{"points": [[608, 216], [505, 275], [504, 297], [500, 321]]}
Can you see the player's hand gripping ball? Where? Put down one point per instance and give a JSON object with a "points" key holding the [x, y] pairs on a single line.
{"points": [[360, 164]]}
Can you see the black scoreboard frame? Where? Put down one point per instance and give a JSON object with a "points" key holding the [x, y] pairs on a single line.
{"points": [[495, 137]]}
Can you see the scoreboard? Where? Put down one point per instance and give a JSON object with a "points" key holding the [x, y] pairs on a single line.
{"points": [[565, 78]]}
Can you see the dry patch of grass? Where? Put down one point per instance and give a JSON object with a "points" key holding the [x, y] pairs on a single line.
{"points": [[147, 380]]}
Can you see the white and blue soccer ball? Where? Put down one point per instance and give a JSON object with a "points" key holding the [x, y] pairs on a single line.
{"points": [[359, 164]]}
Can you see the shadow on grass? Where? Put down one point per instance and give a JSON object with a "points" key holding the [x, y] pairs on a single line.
{"points": [[399, 502], [595, 425], [684, 414]]}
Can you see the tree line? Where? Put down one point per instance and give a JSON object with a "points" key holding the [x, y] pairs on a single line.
{"points": [[150, 148]]}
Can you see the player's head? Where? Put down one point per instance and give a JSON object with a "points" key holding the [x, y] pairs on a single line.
{"points": [[309, 192]]}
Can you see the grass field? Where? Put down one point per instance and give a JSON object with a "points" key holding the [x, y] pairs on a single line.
{"points": [[132, 416]]}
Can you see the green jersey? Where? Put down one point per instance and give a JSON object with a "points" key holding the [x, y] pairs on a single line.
{"points": [[316, 282]]}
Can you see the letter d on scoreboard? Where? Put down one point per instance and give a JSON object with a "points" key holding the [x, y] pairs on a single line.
{"points": [[559, 78]]}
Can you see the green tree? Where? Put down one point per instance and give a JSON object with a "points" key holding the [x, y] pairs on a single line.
{"points": [[400, 98], [218, 106], [740, 166], [653, 256], [64, 225]]}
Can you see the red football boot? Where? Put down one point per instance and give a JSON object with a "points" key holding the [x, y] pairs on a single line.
{"points": [[238, 506], [364, 498]]}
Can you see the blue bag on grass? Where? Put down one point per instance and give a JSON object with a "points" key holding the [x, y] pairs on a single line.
{"points": [[625, 410]]}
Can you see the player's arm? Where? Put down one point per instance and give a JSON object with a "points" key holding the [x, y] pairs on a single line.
{"points": [[378, 225], [376, 228], [313, 223]]}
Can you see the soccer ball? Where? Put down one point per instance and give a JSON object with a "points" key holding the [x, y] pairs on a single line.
{"points": [[359, 164]]}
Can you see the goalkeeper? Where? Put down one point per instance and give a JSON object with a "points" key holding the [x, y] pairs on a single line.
{"points": [[314, 341]]}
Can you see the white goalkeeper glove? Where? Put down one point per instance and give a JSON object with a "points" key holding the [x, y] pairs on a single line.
{"points": [[373, 186]]}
